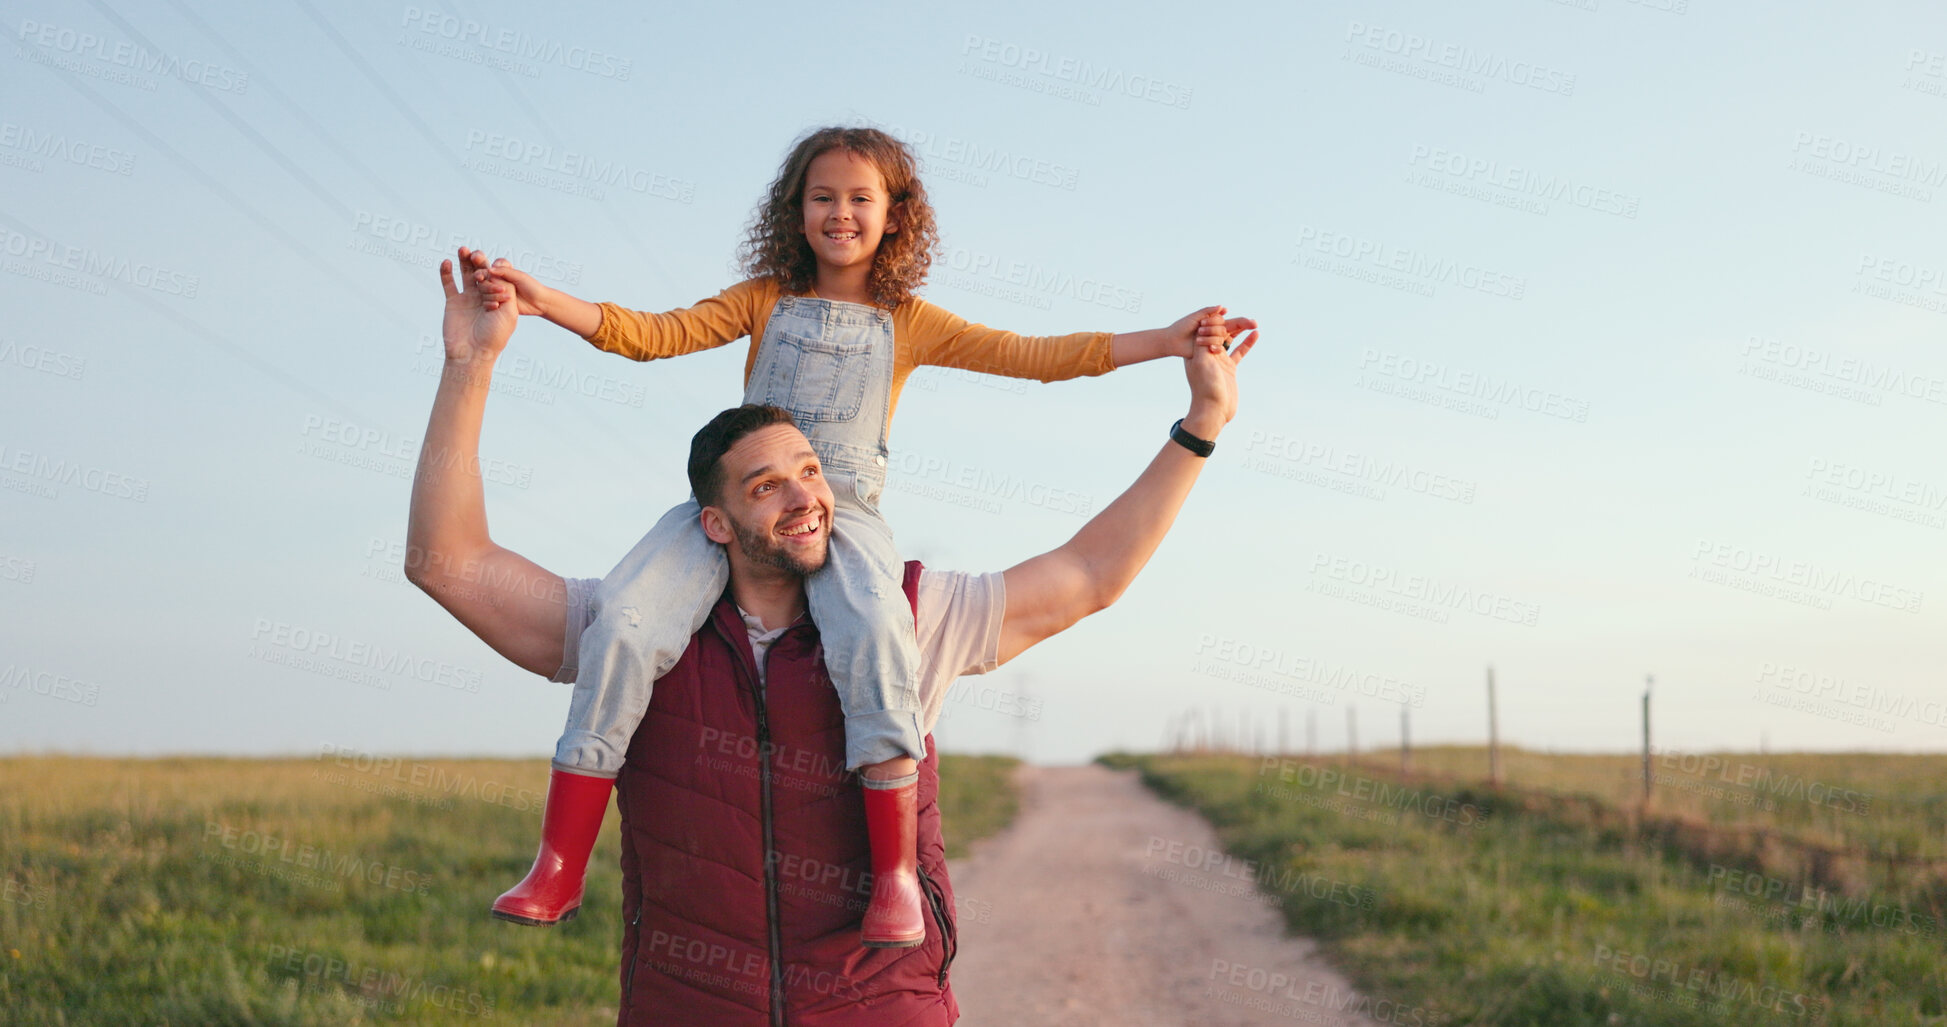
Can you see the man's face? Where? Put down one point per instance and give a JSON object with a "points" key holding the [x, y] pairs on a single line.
{"points": [[776, 501]]}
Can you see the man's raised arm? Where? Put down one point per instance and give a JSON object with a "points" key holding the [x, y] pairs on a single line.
{"points": [[1048, 594], [513, 604]]}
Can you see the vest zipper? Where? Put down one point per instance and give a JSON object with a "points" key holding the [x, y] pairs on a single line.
{"points": [[949, 940], [770, 841], [628, 979]]}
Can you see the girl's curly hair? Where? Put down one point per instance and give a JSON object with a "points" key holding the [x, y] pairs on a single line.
{"points": [[775, 247]]}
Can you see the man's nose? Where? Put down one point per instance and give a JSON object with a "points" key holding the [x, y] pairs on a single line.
{"points": [[798, 495]]}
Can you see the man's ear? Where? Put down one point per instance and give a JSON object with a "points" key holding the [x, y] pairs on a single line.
{"points": [[716, 524]]}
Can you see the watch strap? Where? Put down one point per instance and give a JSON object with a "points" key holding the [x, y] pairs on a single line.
{"points": [[1201, 447]]}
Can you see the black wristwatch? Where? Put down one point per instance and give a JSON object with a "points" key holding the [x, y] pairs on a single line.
{"points": [[1201, 447]]}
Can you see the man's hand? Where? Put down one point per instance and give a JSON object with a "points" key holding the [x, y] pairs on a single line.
{"points": [[1213, 384], [472, 329], [506, 284], [1204, 326]]}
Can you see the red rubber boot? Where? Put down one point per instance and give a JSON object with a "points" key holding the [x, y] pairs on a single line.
{"points": [[896, 917], [551, 892]]}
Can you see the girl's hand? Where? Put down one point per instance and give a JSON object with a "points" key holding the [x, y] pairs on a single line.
{"points": [[1204, 328], [503, 283]]}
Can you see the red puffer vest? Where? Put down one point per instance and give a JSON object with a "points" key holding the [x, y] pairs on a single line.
{"points": [[718, 935]]}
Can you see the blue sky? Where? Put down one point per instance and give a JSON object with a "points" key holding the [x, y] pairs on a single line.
{"points": [[1602, 339]]}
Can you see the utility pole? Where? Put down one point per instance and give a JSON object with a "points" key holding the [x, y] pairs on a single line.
{"points": [[1493, 733], [1649, 682]]}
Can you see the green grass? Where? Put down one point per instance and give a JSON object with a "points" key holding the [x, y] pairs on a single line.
{"points": [[180, 892], [1508, 907]]}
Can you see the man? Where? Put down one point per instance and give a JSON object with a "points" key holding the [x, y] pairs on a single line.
{"points": [[744, 851]]}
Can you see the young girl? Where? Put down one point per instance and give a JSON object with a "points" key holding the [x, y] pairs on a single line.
{"points": [[835, 253]]}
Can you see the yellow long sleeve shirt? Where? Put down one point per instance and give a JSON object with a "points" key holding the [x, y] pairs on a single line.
{"points": [[922, 334]]}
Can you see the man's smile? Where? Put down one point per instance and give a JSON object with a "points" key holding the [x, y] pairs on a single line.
{"points": [[804, 529]]}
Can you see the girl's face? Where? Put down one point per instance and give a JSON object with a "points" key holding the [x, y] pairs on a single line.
{"points": [[846, 210]]}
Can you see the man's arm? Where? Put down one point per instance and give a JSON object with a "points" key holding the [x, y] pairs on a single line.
{"points": [[1048, 594], [512, 603]]}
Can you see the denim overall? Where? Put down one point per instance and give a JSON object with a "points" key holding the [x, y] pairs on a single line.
{"points": [[830, 364]]}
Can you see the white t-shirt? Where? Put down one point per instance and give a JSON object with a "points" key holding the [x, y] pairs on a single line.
{"points": [[959, 631]]}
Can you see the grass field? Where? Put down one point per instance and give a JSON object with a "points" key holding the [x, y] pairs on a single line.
{"points": [[337, 890], [1557, 900]]}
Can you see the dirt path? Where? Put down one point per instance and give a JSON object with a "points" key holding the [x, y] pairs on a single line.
{"points": [[1102, 904]]}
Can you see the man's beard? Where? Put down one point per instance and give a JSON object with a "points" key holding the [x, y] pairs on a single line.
{"points": [[765, 551]]}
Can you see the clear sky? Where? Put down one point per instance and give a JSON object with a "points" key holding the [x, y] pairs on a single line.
{"points": [[1601, 339]]}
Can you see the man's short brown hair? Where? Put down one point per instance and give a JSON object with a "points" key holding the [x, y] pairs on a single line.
{"points": [[709, 445]]}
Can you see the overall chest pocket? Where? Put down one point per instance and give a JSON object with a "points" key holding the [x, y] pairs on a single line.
{"points": [[820, 379]]}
